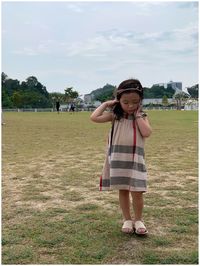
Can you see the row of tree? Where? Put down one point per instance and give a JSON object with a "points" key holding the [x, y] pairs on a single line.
{"points": [[27, 94], [155, 92], [31, 94]]}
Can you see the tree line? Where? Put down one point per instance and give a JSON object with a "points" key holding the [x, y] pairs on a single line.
{"points": [[33, 94], [155, 92]]}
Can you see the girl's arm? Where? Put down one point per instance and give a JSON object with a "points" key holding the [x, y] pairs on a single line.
{"points": [[99, 116], [143, 124]]}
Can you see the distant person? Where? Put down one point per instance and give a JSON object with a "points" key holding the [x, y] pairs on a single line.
{"points": [[72, 108], [58, 106], [124, 167]]}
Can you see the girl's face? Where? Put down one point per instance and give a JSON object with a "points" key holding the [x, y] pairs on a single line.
{"points": [[130, 102]]}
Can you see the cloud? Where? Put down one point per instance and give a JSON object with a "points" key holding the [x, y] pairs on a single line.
{"points": [[36, 24], [76, 8], [188, 4], [145, 8], [25, 51], [180, 38], [115, 43], [46, 47]]}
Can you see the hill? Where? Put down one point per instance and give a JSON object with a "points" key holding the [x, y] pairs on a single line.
{"points": [[155, 92], [103, 94]]}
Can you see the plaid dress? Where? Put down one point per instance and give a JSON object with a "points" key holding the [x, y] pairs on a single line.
{"points": [[124, 166]]}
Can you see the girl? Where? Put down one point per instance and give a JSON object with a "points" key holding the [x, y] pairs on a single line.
{"points": [[124, 167]]}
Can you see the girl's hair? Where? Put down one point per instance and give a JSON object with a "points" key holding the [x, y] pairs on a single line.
{"points": [[127, 86]]}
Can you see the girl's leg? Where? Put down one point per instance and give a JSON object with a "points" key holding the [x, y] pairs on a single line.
{"points": [[138, 204], [124, 202]]}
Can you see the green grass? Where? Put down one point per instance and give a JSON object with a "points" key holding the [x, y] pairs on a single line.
{"points": [[53, 212]]}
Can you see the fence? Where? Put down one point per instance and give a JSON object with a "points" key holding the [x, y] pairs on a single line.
{"points": [[46, 110], [88, 109], [29, 110]]}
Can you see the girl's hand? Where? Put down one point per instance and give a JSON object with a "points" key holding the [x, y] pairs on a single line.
{"points": [[139, 109], [100, 116], [111, 103]]}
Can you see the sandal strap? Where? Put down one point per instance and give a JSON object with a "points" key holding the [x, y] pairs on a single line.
{"points": [[139, 224], [128, 224]]}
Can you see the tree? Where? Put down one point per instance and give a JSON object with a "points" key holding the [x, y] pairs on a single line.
{"points": [[34, 85], [180, 98], [157, 91], [70, 94], [32, 81], [165, 101], [193, 91], [56, 96], [29, 94], [18, 99], [11, 85], [6, 100], [3, 78]]}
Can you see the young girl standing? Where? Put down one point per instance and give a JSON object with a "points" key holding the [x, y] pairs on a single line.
{"points": [[124, 167]]}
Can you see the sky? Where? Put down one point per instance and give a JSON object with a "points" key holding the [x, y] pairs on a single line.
{"points": [[86, 45]]}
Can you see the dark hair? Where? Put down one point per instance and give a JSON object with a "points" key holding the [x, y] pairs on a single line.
{"points": [[127, 86]]}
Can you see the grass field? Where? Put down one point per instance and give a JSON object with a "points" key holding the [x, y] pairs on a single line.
{"points": [[53, 212]]}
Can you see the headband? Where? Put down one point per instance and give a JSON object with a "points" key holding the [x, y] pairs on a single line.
{"points": [[129, 89]]}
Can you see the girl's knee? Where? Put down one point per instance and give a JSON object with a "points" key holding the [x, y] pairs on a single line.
{"points": [[137, 194], [123, 191]]}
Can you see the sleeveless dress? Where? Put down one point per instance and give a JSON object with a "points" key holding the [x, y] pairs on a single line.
{"points": [[124, 166]]}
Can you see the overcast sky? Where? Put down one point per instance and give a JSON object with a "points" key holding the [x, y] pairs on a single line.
{"points": [[89, 44]]}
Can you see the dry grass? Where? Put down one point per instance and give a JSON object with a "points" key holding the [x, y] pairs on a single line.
{"points": [[53, 212]]}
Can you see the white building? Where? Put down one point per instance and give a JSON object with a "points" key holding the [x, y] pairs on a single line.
{"points": [[156, 101], [93, 103], [177, 86], [191, 104], [87, 98]]}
